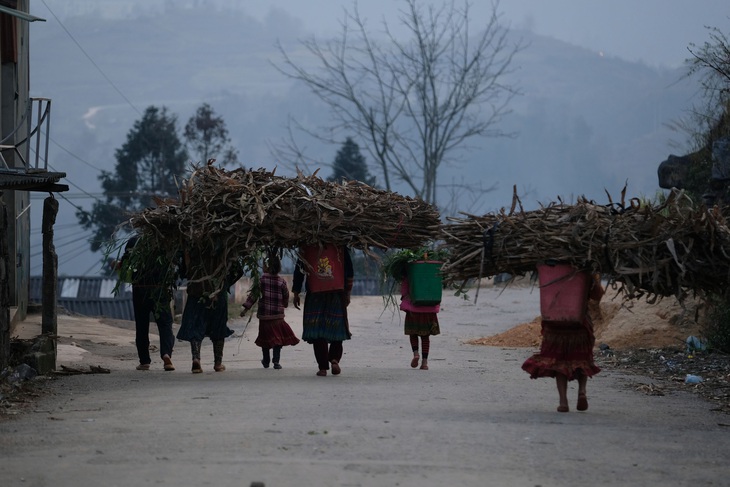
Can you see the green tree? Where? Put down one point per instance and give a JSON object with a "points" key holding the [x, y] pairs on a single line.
{"points": [[149, 164], [350, 165], [206, 136]]}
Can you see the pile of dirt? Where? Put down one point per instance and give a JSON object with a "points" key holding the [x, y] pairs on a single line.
{"points": [[620, 325]]}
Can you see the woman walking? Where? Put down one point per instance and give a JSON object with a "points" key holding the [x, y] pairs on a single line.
{"points": [[329, 278], [566, 351]]}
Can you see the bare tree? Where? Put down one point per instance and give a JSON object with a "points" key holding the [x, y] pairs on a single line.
{"points": [[414, 102], [711, 62]]}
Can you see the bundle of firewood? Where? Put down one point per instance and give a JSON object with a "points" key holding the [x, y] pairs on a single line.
{"points": [[646, 250], [239, 211]]}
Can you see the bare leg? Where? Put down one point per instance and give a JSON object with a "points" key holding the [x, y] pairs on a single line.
{"points": [[582, 399], [562, 382]]}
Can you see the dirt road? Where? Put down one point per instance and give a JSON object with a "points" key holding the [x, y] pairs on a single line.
{"points": [[473, 419]]}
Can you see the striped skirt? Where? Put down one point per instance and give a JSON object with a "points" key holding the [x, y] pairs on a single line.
{"points": [[421, 324], [325, 317]]}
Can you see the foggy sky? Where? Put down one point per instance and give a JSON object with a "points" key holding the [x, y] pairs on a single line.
{"points": [[656, 32]]}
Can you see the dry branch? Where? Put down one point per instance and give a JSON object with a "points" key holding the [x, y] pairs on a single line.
{"points": [[234, 213], [656, 251]]}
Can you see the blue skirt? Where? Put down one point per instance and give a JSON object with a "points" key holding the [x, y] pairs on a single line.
{"points": [[202, 318], [325, 317]]}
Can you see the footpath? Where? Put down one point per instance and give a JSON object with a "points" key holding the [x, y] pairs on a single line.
{"points": [[474, 419]]}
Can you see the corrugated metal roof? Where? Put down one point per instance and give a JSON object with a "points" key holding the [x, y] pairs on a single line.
{"points": [[89, 296], [20, 14], [14, 179]]}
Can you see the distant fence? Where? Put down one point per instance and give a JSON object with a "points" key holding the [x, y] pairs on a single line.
{"points": [[93, 296]]}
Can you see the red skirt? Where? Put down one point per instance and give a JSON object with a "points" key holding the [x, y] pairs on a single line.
{"points": [[567, 348], [275, 333]]}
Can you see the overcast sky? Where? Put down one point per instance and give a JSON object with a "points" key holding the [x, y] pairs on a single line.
{"points": [[654, 31]]}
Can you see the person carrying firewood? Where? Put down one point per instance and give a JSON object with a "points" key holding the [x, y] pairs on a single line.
{"points": [[206, 312], [329, 277], [151, 294], [566, 351]]}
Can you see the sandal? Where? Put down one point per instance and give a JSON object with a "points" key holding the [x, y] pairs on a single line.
{"points": [[563, 409], [582, 402], [414, 361], [197, 369], [143, 367], [322, 373], [424, 367], [219, 367]]}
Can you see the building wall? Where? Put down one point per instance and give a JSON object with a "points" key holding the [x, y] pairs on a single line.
{"points": [[14, 96]]}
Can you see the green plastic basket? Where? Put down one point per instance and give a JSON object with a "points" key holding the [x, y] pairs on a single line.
{"points": [[425, 283]]}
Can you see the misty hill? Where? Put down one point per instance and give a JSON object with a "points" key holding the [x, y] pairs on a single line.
{"points": [[584, 123]]}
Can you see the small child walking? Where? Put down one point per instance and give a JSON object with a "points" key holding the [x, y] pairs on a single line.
{"points": [[274, 331], [421, 321]]}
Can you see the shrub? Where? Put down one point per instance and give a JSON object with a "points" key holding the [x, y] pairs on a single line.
{"points": [[715, 326]]}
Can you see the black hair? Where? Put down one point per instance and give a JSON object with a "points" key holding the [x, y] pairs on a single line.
{"points": [[273, 263]]}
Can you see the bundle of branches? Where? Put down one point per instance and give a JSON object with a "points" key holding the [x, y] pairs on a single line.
{"points": [[234, 213], [643, 249]]}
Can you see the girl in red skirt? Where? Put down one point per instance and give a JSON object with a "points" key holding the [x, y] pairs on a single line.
{"points": [[274, 331], [421, 321]]}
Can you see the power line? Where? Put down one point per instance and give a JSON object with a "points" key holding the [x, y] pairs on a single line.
{"points": [[91, 60], [56, 228], [67, 151], [62, 240], [65, 244], [72, 196], [67, 258]]}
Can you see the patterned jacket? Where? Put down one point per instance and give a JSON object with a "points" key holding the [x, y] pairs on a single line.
{"points": [[274, 298]]}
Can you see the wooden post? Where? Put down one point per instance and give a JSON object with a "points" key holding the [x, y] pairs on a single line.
{"points": [[49, 319], [4, 288]]}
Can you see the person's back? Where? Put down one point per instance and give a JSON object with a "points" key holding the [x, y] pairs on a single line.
{"points": [[152, 278], [273, 299]]}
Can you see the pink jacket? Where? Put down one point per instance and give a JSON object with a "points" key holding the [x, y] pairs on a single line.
{"points": [[407, 305]]}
